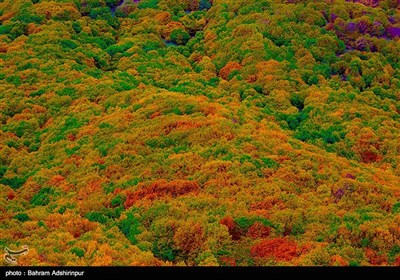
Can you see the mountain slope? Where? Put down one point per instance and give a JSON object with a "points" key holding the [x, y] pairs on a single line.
{"points": [[200, 132]]}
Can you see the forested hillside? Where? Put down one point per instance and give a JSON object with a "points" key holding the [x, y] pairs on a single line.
{"points": [[200, 133]]}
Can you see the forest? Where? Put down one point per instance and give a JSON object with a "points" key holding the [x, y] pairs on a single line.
{"points": [[200, 132]]}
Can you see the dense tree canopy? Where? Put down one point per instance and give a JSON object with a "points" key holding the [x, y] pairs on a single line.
{"points": [[200, 132]]}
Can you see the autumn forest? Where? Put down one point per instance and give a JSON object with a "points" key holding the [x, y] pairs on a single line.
{"points": [[200, 132]]}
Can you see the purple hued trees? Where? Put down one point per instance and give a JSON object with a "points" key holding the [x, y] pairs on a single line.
{"points": [[393, 31]]}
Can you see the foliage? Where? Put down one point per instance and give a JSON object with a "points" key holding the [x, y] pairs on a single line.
{"points": [[199, 132], [22, 217]]}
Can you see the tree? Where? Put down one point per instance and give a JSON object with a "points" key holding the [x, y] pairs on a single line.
{"points": [[280, 249], [228, 69], [180, 36], [189, 239]]}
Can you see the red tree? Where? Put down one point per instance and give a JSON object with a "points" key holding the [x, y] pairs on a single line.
{"points": [[280, 249]]}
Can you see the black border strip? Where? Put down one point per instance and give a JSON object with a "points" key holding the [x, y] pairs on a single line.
{"points": [[118, 272]]}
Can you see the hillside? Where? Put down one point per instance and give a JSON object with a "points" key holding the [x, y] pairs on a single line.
{"points": [[199, 132]]}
